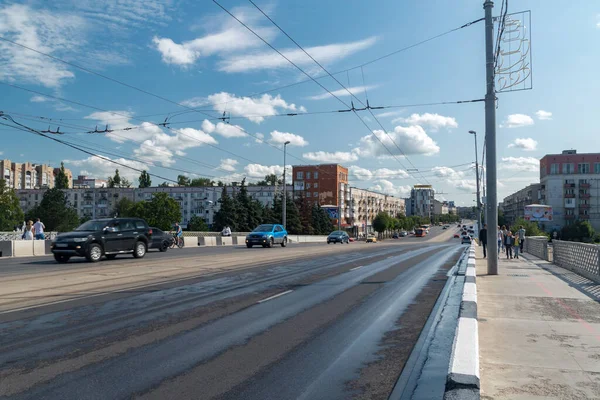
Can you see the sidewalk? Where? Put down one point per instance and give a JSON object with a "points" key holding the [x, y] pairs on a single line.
{"points": [[539, 331]]}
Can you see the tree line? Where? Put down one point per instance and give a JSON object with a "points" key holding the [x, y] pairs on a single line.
{"points": [[385, 223]]}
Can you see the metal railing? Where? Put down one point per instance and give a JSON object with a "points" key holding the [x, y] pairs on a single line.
{"points": [[581, 258], [536, 246]]}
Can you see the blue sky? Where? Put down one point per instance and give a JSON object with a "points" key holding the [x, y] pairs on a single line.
{"points": [[195, 54]]}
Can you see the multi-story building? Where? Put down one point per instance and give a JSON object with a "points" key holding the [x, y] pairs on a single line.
{"points": [[366, 204], [84, 181], [27, 175], [421, 201], [440, 207], [513, 205], [570, 183]]}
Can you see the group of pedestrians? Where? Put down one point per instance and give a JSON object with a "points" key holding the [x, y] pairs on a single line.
{"points": [[509, 242], [33, 230]]}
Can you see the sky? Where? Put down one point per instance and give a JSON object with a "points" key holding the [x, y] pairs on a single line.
{"points": [[184, 64]]}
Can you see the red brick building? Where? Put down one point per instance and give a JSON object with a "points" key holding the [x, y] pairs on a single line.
{"points": [[325, 184]]}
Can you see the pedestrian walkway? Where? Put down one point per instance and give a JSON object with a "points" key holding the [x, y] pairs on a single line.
{"points": [[539, 331]]}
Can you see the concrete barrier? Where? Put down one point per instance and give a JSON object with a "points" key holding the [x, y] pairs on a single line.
{"points": [[6, 248], [190, 241], [207, 241], [462, 380], [239, 240], [224, 241], [22, 248], [39, 247]]}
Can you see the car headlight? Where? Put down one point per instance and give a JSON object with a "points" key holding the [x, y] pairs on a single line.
{"points": [[77, 240], [264, 236]]}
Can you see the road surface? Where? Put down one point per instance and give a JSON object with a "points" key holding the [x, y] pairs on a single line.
{"points": [[305, 322]]}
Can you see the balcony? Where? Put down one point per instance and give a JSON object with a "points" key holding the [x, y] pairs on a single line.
{"points": [[584, 216], [569, 216], [569, 185], [585, 185], [584, 195], [569, 195], [584, 206]]}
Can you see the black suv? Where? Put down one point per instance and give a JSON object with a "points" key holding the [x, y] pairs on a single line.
{"points": [[99, 237]]}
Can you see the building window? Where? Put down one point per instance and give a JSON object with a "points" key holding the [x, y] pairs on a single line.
{"points": [[583, 181], [570, 203], [316, 175], [299, 175], [316, 185], [554, 169], [308, 185], [568, 168], [307, 194], [308, 175], [316, 194], [583, 168]]}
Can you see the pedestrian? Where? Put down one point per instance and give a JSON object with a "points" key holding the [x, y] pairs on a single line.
{"points": [[500, 239], [39, 230], [516, 246], [28, 233], [483, 239], [521, 235], [508, 243]]}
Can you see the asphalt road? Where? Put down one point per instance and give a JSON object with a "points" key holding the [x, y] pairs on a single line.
{"points": [[305, 322]]}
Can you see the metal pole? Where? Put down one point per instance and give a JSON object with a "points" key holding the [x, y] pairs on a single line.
{"points": [[490, 140], [477, 180], [284, 211]]}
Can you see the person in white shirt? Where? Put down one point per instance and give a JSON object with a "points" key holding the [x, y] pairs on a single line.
{"points": [[226, 231], [39, 227]]}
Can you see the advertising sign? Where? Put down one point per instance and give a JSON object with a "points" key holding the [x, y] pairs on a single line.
{"points": [[538, 213], [331, 211]]}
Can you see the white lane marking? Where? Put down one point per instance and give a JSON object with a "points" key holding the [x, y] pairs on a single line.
{"points": [[360, 266], [275, 296]]}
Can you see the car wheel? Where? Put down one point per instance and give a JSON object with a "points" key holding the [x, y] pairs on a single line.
{"points": [[61, 258], [94, 253], [139, 250], [328, 242], [164, 246], [284, 243], [248, 245], [111, 256], [271, 242]]}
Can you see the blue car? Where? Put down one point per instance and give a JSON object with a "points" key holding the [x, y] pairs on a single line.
{"points": [[267, 235]]}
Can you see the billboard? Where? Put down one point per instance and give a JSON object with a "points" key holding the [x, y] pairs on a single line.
{"points": [[332, 211], [538, 213]]}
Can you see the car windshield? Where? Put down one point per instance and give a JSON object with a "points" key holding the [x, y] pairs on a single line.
{"points": [[336, 233], [93, 225], [263, 228]]}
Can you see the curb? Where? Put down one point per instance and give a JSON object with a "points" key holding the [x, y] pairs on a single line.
{"points": [[462, 381]]}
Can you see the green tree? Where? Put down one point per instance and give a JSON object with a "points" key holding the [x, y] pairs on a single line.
{"points": [[183, 180], [580, 231], [144, 180], [114, 181], [11, 214], [226, 214], [321, 222], [272, 180], [164, 184], [55, 212], [197, 224], [531, 228], [161, 212], [248, 215], [220, 184], [124, 208], [293, 220], [381, 222], [501, 218], [199, 182], [62, 180], [305, 211], [125, 183]]}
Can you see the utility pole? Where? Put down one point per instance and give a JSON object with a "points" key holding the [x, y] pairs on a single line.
{"points": [[490, 142], [477, 180], [284, 211]]}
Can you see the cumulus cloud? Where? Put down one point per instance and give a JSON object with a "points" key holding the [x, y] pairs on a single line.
{"points": [[259, 171], [102, 168], [411, 140], [447, 173], [434, 121], [254, 108], [343, 92], [526, 144], [364, 174], [228, 164], [525, 164], [543, 115], [338, 157], [38, 99], [282, 137], [517, 121], [386, 187]]}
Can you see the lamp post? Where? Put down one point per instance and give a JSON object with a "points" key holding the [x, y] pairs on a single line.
{"points": [[477, 180], [284, 212]]}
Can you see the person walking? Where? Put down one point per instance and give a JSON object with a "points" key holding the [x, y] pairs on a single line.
{"points": [[521, 235], [504, 231], [500, 239], [508, 243], [517, 240], [483, 239], [28, 234], [39, 230]]}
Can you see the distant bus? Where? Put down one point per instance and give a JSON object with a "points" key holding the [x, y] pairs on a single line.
{"points": [[419, 232]]}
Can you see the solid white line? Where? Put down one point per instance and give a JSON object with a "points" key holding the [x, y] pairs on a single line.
{"points": [[275, 296], [360, 266]]}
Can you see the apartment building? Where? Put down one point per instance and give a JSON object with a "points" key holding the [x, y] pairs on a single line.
{"points": [[440, 207], [28, 175], [364, 205], [83, 181], [421, 201], [570, 183], [513, 205]]}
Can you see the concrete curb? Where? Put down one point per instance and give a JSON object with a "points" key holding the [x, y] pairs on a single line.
{"points": [[462, 381]]}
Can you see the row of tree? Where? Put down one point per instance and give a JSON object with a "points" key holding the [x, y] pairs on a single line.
{"points": [[385, 223]]}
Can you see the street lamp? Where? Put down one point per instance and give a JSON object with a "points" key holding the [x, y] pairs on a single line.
{"points": [[284, 187], [477, 180]]}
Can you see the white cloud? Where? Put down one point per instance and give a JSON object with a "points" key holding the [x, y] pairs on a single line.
{"points": [[259, 171], [122, 14], [527, 144], [517, 121], [282, 137], [38, 99], [525, 164], [228, 164], [411, 140], [102, 168], [464, 185], [363, 174], [254, 108], [229, 131], [343, 92], [386, 187], [338, 157], [543, 115], [259, 137], [447, 173], [270, 60], [390, 114], [434, 121]]}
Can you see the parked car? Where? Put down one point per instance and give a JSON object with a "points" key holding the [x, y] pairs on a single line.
{"points": [[103, 237], [403, 234], [465, 240], [396, 235], [160, 240], [338, 237], [444, 227], [267, 235], [456, 236], [371, 238]]}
